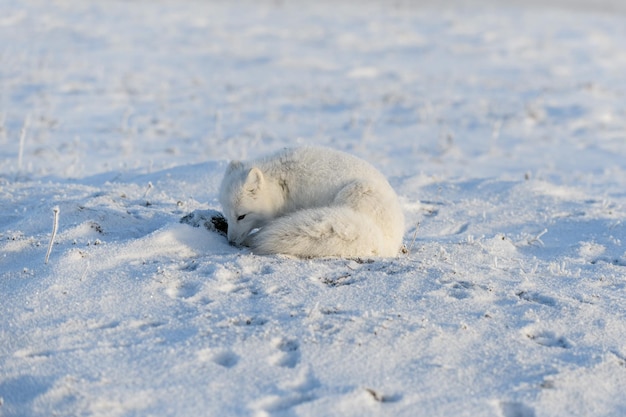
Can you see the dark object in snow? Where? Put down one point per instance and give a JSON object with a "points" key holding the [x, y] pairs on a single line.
{"points": [[212, 220], [383, 398]]}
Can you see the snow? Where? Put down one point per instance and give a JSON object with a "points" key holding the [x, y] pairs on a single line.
{"points": [[502, 128]]}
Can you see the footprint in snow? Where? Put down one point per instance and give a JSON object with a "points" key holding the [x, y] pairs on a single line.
{"points": [[535, 297], [289, 394], [288, 355], [279, 404], [548, 339], [515, 409], [465, 289], [224, 358], [179, 289]]}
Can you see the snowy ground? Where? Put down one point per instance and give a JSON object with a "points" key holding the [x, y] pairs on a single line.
{"points": [[503, 129]]}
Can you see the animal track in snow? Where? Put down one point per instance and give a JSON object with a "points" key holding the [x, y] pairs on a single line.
{"points": [[288, 354], [293, 393], [278, 404], [465, 289], [535, 297], [189, 266], [225, 358], [548, 339], [236, 280], [184, 290], [461, 289], [516, 409]]}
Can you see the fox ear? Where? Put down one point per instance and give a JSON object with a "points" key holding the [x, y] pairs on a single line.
{"points": [[254, 181], [233, 166]]}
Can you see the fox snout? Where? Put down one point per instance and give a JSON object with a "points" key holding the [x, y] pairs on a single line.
{"points": [[235, 238], [241, 237]]}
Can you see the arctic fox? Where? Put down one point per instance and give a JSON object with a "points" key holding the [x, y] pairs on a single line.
{"points": [[311, 202]]}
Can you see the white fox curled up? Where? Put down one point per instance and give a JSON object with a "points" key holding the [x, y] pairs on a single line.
{"points": [[311, 202]]}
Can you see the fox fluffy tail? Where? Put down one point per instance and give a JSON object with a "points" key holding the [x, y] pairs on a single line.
{"points": [[324, 232]]}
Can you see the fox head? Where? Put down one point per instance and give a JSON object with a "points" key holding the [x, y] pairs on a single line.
{"points": [[246, 198]]}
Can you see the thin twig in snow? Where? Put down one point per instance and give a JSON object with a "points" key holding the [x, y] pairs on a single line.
{"points": [[55, 226], [537, 239], [20, 155], [417, 226], [148, 189]]}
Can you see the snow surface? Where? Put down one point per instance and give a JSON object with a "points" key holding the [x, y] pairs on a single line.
{"points": [[503, 129]]}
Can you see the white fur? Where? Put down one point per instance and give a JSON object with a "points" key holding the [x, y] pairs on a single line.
{"points": [[311, 202]]}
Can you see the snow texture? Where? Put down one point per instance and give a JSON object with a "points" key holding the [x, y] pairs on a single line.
{"points": [[501, 127]]}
